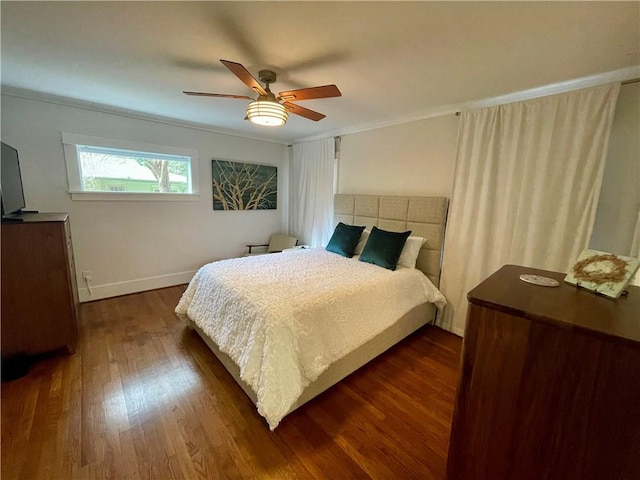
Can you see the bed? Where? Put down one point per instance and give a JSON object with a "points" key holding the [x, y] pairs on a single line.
{"points": [[286, 342]]}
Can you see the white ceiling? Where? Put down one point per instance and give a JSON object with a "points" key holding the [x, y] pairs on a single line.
{"points": [[391, 60]]}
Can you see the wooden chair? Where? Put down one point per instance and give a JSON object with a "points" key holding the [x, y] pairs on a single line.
{"points": [[276, 244]]}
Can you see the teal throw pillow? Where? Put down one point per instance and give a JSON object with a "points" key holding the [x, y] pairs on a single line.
{"points": [[344, 239], [383, 248]]}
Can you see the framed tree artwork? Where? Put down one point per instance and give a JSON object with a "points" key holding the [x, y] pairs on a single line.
{"points": [[244, 186]]}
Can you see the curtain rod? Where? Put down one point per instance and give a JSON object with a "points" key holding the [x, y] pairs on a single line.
{"points": [[625, 82]]}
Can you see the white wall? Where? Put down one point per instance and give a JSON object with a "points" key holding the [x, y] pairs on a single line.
{"points": [[133, 246], [415, 158], [620, 196]]}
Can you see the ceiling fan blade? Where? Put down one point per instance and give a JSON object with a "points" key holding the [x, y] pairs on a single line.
{"points": [[243, 74], [218, 95], [303, 112], [326, 91]]}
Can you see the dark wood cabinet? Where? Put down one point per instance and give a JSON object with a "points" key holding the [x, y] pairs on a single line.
{"points": [[550, 383], [39, 289]]}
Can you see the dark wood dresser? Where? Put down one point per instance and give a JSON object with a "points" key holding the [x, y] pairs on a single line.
{"points": [[39, 287], [550, 383]]}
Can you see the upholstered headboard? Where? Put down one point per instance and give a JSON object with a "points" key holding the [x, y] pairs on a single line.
{"points": [[424, 216]]}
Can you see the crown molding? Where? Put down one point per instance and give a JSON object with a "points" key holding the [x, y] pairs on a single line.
{"points": [[123, 112], [621, 75]]}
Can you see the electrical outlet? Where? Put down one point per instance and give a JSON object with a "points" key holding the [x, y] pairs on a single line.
{"points": [[86, 275]]}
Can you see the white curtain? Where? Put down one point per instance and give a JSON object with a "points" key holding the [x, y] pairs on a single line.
{"points": [[311, 206], [526, 188], [635, 244], [635, 249]]}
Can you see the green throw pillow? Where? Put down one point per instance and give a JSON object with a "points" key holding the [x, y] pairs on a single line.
{"points": [[344, 239], [383, 248]]}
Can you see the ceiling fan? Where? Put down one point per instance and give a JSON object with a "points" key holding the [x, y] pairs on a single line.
{"points": [[268, 109]]}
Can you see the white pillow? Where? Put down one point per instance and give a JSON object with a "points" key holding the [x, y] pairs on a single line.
{"points": [[362, 242], [410, 251]]}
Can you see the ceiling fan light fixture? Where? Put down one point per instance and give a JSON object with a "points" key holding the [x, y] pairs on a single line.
{"points": [[267, 113], [266, 109]]}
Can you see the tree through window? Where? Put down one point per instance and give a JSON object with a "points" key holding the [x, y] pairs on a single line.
{"points": [[113, 170]]}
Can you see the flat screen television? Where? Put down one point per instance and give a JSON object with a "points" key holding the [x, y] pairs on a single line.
{"points": [[10, 181]]}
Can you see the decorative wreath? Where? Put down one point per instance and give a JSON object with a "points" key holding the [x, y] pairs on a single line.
{"points": [[616, 273]]}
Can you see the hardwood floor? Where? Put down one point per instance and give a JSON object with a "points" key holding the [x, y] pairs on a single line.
{"points": [[144, 398]]}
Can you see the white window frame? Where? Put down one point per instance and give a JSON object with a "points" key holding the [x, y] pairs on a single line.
{"points": [[71, 141]]}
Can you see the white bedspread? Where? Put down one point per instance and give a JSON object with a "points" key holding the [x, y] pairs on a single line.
{"points": [[285, 318]]}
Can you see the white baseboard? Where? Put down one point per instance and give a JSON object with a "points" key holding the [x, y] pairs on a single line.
{"points": [[133, 286]]}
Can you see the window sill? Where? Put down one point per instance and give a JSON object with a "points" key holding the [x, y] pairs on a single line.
{"points": [[134, 197]]}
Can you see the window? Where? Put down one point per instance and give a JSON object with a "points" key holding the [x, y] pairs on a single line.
{"points": [[106, 169]]}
